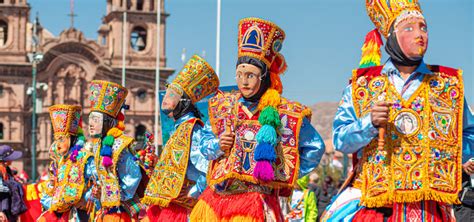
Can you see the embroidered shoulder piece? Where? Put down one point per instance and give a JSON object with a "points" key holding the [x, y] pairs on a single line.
{"points": [[110, 188], [169, 175]]}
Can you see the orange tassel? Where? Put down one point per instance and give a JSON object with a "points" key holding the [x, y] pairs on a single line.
{"points": [[276, 82], [270, 98], [115, 132], [121, 125]]}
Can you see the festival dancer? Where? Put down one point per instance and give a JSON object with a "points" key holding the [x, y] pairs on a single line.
{"points": [[265, 142], [118, 170], [406, 123], [71, 168], [179, 176]]}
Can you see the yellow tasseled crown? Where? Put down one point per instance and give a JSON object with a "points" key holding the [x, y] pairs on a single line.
{"points": [[107, 97], [65, 119], [197, 79], [384, 13]]}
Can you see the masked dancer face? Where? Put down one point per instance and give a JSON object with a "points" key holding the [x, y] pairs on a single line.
{"points": [[248, 79], [61, 145], [170, 101], [412, 37], [96, 124]]}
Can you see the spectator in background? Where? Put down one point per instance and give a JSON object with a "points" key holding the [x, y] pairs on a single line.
{"points": [[20, 177], [11, 191], [303, 206], [465, 210], [325, 193]]}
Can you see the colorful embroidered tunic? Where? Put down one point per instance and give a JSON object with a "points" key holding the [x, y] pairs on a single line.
{"points": [[423, 142], [119, 182], [180, 163], [68, 187], [299, 152]]}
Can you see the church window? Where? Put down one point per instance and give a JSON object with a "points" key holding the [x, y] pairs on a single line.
{"points": [[141, 94], [3, 32], [138, 38], [139, 5]]}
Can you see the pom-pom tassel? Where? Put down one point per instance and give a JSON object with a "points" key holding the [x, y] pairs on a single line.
{"points": [[121, 125], [264, 151], [108, 141], [74, 155], [106, 151], [263, 171], [270, 116], [270, 98], [107, 161], [267, 134]]}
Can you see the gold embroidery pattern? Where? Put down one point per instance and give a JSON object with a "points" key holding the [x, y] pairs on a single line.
{"points": [[240, 163], [168, 182], [110, 188], [422, 156], [70, 183]]}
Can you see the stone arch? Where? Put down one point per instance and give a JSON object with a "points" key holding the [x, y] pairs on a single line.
{"points": [[68, 68], [69, 51]]}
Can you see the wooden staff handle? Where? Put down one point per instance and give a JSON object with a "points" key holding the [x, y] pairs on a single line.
{"points": [[381, 140]]}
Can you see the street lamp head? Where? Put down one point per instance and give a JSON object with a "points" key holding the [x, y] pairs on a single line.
{"points": [[43, 86]]}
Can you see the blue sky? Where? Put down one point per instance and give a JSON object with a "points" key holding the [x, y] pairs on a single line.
{"points": [[323, 38]]}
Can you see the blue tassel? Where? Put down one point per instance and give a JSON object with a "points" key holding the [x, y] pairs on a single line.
{"points": [[80, 143], [264, 151], [106, 151], [267, 134]]}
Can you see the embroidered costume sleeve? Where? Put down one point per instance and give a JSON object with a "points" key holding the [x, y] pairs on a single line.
{"points": [[202, 135], [467, 133], [46, 197], [351, 134], [89, 173], [311, 148], [209, 143], [199, 163], [197, 189], [129, 175], [45, 201]]}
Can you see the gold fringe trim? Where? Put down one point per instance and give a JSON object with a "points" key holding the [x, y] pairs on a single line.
{"points": [[203, 212], [240, 219], [247, 178], [162, 202], [385, 199], [378, 201]]}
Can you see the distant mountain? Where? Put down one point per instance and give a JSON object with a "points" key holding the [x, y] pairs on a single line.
{"points": [[323, 116]]}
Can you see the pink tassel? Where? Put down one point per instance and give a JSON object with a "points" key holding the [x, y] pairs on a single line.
{"points": [[74, 154], [107, 161], [263, 171]]}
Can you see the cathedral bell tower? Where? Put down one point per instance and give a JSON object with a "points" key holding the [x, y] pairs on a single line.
{"points": [[13, 30], [140, 31]]}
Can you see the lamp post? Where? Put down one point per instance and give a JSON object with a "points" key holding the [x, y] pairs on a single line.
{"points": [[34, 58], [157, 75]]}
